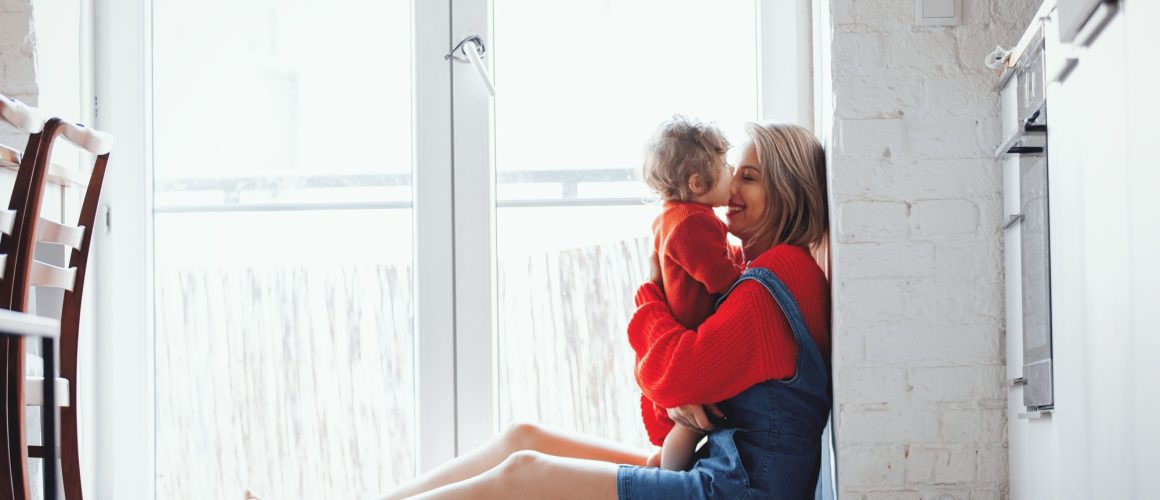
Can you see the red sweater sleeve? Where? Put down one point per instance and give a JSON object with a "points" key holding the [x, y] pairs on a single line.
{"points": [[656, 420], [718, 360], [699, 246]]}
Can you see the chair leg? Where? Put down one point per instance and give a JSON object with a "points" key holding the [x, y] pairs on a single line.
{"points": [[5, 465], [17, 442], [70, 457]]}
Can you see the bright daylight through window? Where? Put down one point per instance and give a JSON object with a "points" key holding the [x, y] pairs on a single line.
{"points": [[284, 297]]}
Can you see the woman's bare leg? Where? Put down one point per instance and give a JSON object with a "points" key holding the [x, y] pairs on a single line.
{"points": [[530, 474], [516, 438]]}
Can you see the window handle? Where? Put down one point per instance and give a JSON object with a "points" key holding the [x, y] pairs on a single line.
{"points": [[473, 49]]}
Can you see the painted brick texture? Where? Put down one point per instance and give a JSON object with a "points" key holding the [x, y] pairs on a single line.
{"points": [[918, 349], [17, 62]]}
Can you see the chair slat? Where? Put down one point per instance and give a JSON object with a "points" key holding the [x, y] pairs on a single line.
{"points": [[7, 220], [93, 141], [34, 392], [49, 231], [42, 274], [27, 118]]}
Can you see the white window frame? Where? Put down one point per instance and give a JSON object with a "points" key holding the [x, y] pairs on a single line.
{"points": [[124, 258], [786, 95], [454, 225]]}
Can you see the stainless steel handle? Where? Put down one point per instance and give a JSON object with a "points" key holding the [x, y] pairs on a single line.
{"points": [[1011, 221], [1036, 415], [1016, 382], [1031, 123], [1015, 146]]}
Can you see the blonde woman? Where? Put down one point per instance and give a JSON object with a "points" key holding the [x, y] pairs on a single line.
{"points": [[760, 364]]}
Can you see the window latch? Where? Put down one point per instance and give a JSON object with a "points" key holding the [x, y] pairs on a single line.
{"points": [[473, 50]]}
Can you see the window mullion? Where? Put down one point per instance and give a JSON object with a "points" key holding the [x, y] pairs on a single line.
{"points": [[434, 239], [474, 185]]}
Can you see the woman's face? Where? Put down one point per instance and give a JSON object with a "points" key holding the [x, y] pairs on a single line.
{"points": [[746, 197]]}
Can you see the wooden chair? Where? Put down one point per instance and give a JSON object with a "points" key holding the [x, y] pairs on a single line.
{"points": [[14, 229], [71, 279], [19, 270]]}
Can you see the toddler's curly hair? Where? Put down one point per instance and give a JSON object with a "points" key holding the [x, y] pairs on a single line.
{"points": [[680, 148]]}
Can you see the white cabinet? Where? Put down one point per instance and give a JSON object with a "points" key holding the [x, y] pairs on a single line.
{"points": [[1101, 441]]}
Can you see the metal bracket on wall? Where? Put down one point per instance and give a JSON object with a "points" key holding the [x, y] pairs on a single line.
{"points": [[1011, 221]]}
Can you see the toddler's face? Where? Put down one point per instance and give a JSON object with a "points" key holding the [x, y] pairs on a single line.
{"points": [[718, 195]]}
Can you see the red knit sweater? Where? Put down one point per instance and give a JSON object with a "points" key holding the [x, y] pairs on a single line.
{"points": [[696, 262], [745, 342]]}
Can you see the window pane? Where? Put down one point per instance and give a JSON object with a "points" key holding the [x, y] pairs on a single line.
{"points": [[582, 86], [284, 328]]}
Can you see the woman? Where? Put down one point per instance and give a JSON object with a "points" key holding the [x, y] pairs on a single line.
{"points": [[762, 357]]}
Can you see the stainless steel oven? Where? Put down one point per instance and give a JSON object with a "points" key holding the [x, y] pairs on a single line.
{"points": [[1027, 141]]}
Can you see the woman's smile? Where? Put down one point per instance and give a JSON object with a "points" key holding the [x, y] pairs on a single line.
{"points": [[735, 207], [746, 197]]}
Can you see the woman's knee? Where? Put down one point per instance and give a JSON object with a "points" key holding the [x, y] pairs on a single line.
{"points": [[520, 463], [521, 436]]}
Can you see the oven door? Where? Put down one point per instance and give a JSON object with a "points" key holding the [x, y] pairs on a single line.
{"points": [[1035, 257]]}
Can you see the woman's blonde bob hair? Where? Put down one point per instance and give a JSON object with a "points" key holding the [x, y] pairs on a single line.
{"points": [[793, 165]]}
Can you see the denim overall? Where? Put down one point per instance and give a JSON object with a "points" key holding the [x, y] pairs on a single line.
{"points": [[769, 445]]}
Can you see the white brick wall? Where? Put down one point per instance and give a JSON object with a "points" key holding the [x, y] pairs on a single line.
{"points": [[918, 317], [17, 61]]}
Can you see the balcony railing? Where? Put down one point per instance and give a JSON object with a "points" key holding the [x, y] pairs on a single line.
{"points": [[557, 188]]}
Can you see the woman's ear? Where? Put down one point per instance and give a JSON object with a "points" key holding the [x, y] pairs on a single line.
{"points": [[697, 184]]}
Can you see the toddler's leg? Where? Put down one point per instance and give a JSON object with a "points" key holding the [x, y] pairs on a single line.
{"points": [[677, 452]]}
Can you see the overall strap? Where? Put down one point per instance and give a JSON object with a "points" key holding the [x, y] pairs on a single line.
{"points": [[789, 307]]}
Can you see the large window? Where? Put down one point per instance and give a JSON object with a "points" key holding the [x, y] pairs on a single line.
{"points": [[284, 329], [359, 263]]}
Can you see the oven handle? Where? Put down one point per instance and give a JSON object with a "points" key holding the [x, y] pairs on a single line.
{"points": [[1014, 145]]}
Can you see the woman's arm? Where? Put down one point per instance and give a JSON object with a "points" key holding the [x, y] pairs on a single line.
{"points": [[724, 356]]}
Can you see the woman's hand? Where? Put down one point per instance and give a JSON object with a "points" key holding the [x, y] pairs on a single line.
{"points": [[655, 269], [694, 417]]}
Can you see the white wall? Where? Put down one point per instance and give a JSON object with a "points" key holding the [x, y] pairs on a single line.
{"points": [[1101, 441], [918, 311]]}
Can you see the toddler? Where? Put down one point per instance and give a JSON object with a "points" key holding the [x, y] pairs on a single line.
{"points": [[685, 164]]}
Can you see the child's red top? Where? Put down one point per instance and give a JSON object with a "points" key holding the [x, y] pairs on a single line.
{"points": [[696, 263]]}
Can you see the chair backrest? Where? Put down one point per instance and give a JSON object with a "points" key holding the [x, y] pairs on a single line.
{"points": [[24, 203], [15, 229], [78, 237]]}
